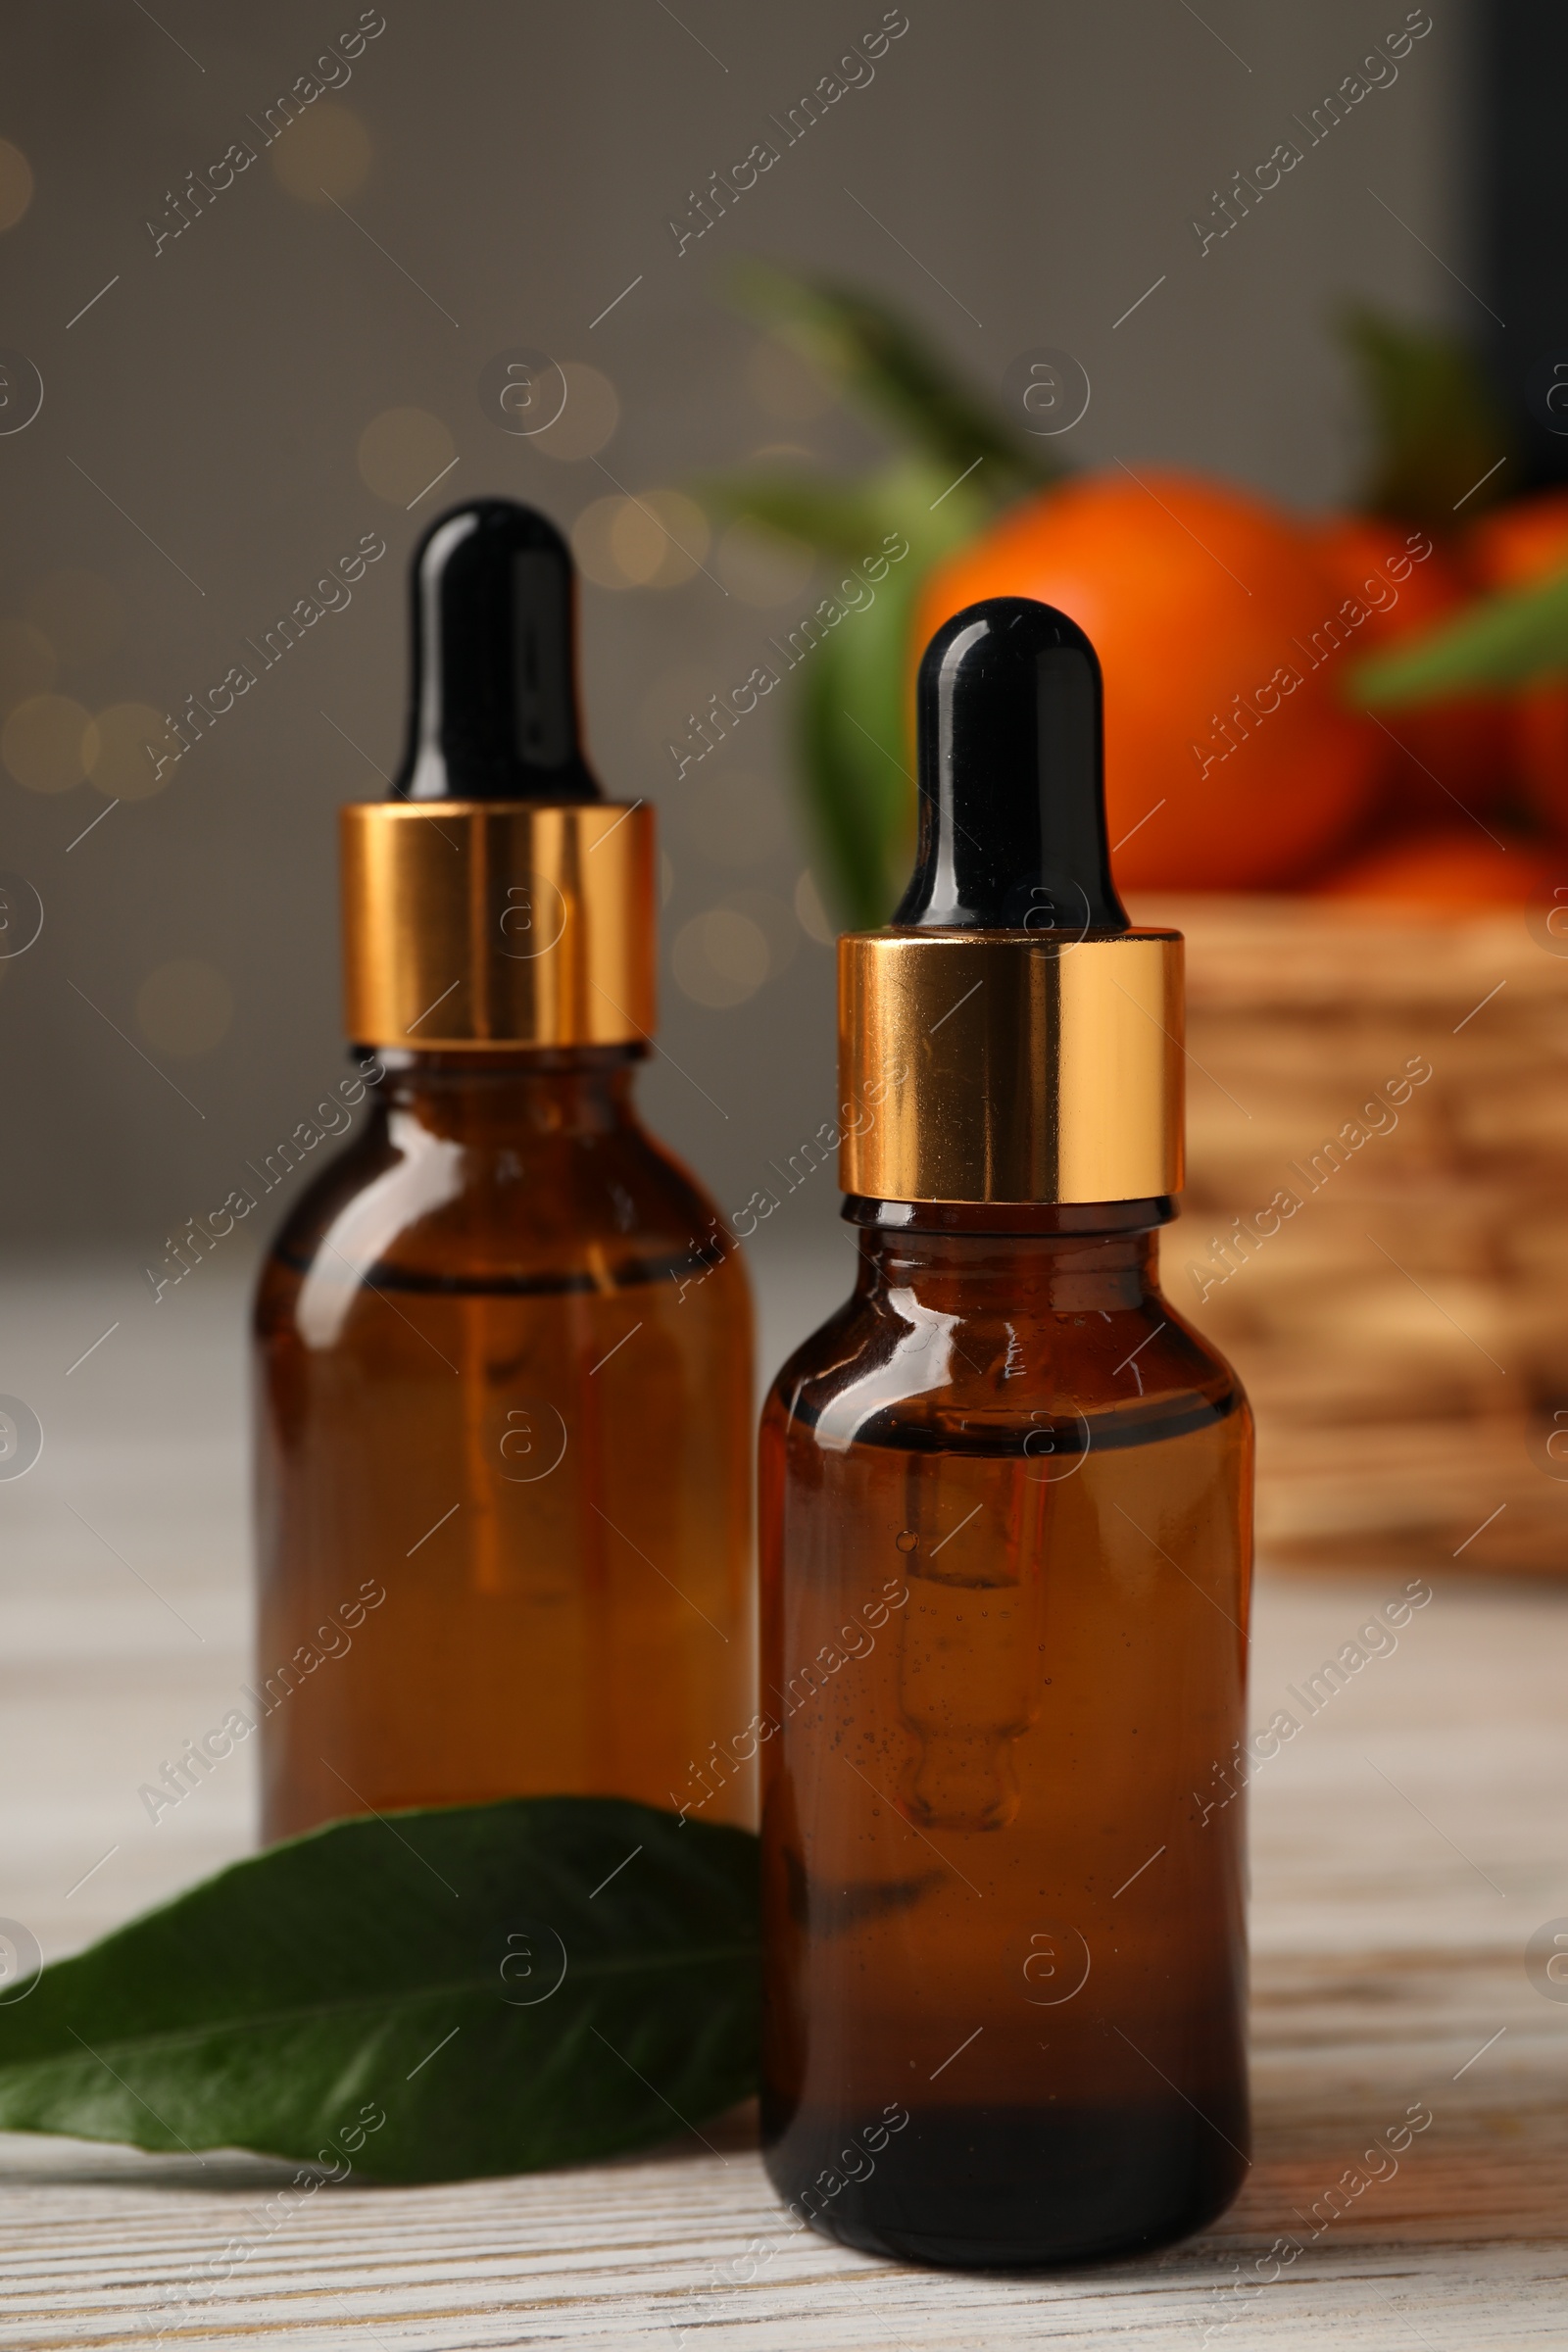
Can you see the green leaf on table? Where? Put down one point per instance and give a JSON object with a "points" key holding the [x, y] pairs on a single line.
{"points": [[890, 368], [475, 1989], [1504, 640], [1436, 431]]}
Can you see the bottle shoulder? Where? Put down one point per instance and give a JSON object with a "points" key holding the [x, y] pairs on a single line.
{"points": [[887, 1369], [408, 1210]]}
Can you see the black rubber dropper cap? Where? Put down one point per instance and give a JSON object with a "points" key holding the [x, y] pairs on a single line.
{"points": [[494, 708], [1012, 801]]}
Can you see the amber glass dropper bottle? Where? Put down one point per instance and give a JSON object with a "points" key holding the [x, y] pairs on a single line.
{"points": [[504, 1347], [1004, 1522]]}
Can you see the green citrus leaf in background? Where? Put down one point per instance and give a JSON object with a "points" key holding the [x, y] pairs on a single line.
{"points": [[475, 1989], [1504, 640], [1437, 432], [887, 367], [853, 706], [855, 760], [840, 519], [1437, 442], [954, 463]]}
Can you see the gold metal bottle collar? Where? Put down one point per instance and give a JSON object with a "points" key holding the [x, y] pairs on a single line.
{"points": [[469, 924], [1011, 1065]]}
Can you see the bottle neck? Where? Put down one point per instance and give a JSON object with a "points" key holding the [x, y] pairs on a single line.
{"points": [[1068, 1258], [470, 1097]]}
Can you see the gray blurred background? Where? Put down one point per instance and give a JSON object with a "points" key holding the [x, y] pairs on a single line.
{"points": [[237, 406]]}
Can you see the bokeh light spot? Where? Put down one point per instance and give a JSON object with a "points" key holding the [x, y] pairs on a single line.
{"points": [[184, 1008], [721, 958], [400, 453], [44, 743], [324, 153], [15, 184], [656, 539], [588, 420], [115, 752]]}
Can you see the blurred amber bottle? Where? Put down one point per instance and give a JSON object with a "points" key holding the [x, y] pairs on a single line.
{"points": [[503, 1349], [1005, 1526]]}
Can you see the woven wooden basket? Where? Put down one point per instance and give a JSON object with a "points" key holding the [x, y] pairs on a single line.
{"points": [[1383, 1253]]}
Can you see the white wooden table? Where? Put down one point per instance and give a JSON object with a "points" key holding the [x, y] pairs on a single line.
{"points": [[1407, 1845]]}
